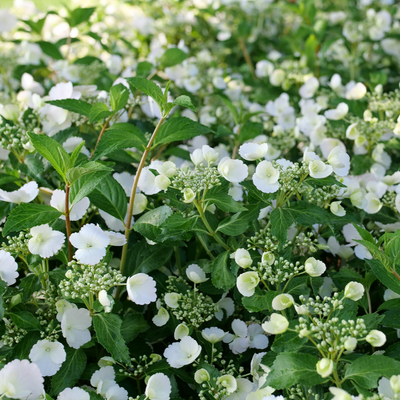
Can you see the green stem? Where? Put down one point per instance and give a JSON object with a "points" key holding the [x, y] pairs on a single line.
{"points": [[178, 260], [103, 129], [132, 199], [204, 244], [68, 222], [210, 230]]}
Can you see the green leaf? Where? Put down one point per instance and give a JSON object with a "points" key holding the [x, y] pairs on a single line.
{"points": [[29, 285], [288, 341], [184, 101], [119, 95], [144, 69], [70, 371], [75, 154], [80, 15], [281, 220], [366, 370], [25, 320], [218, 195], [236, 224], [108, 332], [76, 173], [392, 319], [178, 129], [110, 197], [310, 51], [308, 214], [297, 286], [231, 108], [255, 196], [145, 258], [172, 56], [85, 185], [221, 276], [98, 112], [328, 181], [176, 227], [21, 350], [149, 224], [77, 106], [50, 50], [28, 215], [289, 369], [147, 87], [360, 164], [133, 323], [260, 301], [51, 151], [250, 130], [120, 136]]}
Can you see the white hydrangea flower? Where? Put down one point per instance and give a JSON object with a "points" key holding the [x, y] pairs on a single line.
{"points": [[158, 387], [196, 274], [373, 203], [376, 338], [76, 212], [213, 335], [314, 267], [172, 299], [338, 113], [24, 194], [161, 318], [325, 367], [8, 268], [258, 340], [48, 356], [91, 243], [103, 379], [45, 241], [141, 289], [181, 331], [266, 177], [276, 324], [339, 161], [74, 325], [62, 306], [182, 353], [319, 170], [354, 291], [19, 379], [125, 179], [282, 301], [234, 171], [73, 394], [253, 151], [242, 258], [309, 88], [337, 209], [116, 392], [356, 92], [225, 306], [239, 342]]}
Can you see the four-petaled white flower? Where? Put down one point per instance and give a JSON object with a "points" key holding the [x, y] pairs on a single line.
{"points": [[196, 274], [8, 268], [74, 325], [19, 379], [253, 151], [318, 169], [213, 335], [141, 289], [48, 356], [24, 194], [266, 177], [73, 394], [182, 353], [91, 243], [247, 283], [45, 242]]}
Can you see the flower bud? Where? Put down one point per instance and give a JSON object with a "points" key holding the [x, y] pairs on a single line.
{"points": [[337, 209], [376, 338], [209, 154], [350, 344], [172, 299], [354, 291], [197, 157], [339, 394], [188, 195], [282, 301], [161, 318], [247, 283], [106, 361], [395, 383], [325, 367], [201, 376], [139, 204], [314, 267], [228, 382], [162, 182], [181, 331], [243, 258], [304, 333], [276, 324], [302, 310], [167, 168], [267, 258]]}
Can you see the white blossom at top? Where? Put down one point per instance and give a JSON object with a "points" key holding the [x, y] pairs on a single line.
{"points": [[338, 113], [73, 394], [24, 194], [309, 88], [234, 171], [45, 241], [182, 353], [48, 356], [91, 243], [196, 274], [266, 177], [213, 335], [8, 268], [253, 151], [19, 379], [103, 379], [74, 325], [141, 289]]}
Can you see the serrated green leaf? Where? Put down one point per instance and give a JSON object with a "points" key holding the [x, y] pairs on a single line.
{"points": [[184, 101], [260, 301], [25, 320], [108, 332], [28, 215], [51, 151], [50, 50], [231, 108], [281, 220], [236, 224], [250, 130], [218, 195], [98, 112], [133, 324], [119, 95], [221, 276], [70, 371], [80, 15], [77, 106], [147, 87], [73, 174], [172, 56], [178, 129], [120, 136], [149, 224]]}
